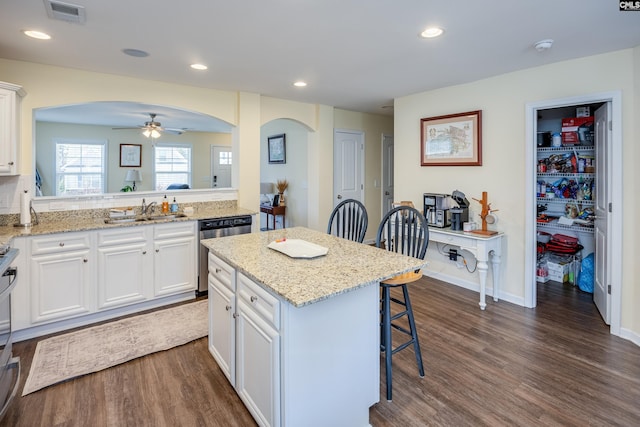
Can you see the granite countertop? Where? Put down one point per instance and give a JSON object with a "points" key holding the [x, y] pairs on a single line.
{"points": [[347, 265], [69, 221]]}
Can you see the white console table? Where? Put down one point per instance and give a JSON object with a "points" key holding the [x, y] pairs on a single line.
{"points": [[484, 248]]}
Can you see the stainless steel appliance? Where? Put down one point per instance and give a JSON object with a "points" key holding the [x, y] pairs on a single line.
{"points": [[460, 214], [9, 365], [436, 209], [212, 228]]}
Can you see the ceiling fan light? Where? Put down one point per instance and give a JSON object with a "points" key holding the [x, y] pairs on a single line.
{"points": [[155, 133], [146, 133]]}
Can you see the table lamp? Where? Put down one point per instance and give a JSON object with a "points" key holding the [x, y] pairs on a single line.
{"points": [[265, 188], [133, 175]]}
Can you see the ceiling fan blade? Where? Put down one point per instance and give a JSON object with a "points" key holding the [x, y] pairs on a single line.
{"points": [[123, 128], [175, 131]]}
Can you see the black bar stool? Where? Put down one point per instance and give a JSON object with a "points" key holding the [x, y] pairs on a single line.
{"points": [[349, 220], [403, 230]]}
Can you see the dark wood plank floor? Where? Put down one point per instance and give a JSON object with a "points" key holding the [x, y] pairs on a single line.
{"points": [[555, 365]]}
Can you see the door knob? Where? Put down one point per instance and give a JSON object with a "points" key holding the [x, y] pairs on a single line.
{"points": [[386, 193], [339, 196]]}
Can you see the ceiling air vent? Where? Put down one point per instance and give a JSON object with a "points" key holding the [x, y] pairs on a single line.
{"points": [[65, 11]]}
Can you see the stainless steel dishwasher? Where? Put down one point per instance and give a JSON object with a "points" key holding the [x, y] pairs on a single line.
{"points": [[212, 228]]}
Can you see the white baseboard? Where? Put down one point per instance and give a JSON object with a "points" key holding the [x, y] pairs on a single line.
{"points": [[630, 335], [474, 286]]}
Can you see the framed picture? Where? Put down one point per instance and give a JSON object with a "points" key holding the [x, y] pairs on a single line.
{"points": [[130, 155], [452, 140], [277, 149]]}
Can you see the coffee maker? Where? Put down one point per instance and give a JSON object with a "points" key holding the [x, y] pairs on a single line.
{"points": [[460, 214], [436, 209]]}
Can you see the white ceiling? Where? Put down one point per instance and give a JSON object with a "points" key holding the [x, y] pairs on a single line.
{"points": [[355, 54]]}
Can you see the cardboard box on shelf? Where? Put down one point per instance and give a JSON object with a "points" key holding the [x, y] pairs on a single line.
{"points": [[583, 112], [559, 271]]}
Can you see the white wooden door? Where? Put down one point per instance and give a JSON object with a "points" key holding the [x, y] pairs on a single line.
{"points": [[602, 279], [387, 173], [348, 155], [221, 162]]}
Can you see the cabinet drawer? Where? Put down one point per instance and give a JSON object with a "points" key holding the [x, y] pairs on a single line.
{"points": [[122, 236], [265, 305], [461, 241], [60, 243], [174, 229], [222, 272]]}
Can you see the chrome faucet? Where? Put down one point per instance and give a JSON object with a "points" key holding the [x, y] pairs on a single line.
{"points": [[148, 209]]}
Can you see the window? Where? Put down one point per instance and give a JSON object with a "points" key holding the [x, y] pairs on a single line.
{"points": [[225, 158], [172, 165], [80, 167]]}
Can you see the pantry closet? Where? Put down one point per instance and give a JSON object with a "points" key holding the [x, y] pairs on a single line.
{"points": [[573, 169]]}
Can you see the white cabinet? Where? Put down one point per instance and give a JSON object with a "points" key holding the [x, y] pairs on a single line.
{"points": [[295, 366], [125, 266], [72, 279], [222, 313], [258, 351], [175, 255], [61, 273], [10, 97]]}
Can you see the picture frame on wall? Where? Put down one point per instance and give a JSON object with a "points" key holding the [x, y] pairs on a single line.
{"points": [[451, 140], [276, 147], [130, 155]]}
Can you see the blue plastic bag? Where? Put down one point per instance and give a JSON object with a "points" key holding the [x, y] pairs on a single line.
{"points": [[585, 282]]}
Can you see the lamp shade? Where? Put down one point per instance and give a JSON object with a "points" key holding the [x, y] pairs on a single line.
{"points": [[133, 175], [266, 188]]}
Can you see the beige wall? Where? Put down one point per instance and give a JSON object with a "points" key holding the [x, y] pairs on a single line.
{"points": [[373, 126], [200, 142], [502, 100]]}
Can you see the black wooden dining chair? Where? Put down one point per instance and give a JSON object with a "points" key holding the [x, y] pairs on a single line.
{"points": [[349, 220], [403, 230]]}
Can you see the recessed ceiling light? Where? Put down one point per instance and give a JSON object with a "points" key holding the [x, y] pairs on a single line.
{"points": [[199, 66], [432, 32], [137, 53], [37, 34], [300, 83]]}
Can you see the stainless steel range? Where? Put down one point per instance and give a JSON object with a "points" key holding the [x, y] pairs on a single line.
{"points": [[212, 228]]}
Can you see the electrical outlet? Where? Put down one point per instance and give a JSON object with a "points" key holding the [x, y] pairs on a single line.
{"points": [[453, 255]]}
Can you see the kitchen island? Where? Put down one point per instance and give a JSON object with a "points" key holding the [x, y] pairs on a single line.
{"points": [[298, 338]]}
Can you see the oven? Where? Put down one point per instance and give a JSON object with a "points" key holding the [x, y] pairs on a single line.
{"points": [[212, 228], [9, 365]]}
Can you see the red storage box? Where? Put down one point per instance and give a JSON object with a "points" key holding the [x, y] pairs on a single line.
{"points": [[570, 128]]}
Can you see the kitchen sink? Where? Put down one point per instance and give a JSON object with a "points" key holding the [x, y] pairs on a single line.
{"points": [[143, 218]]}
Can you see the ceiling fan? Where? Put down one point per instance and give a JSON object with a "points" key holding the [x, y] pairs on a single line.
{"points": [[153, 129]]}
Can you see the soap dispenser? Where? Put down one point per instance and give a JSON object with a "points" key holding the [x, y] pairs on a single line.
{"points": [[174, 206], [165, 205]]}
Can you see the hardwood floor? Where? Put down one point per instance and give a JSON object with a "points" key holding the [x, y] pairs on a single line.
{"points": [[554, 365]]}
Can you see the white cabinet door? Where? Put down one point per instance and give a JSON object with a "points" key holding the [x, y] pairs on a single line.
{"points": [[222, 329], [125, 266], [9, 127], [222, 309], [61, 285], [258, 352], [174, 258]]}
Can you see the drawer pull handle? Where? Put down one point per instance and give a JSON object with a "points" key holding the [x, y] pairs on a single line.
{"points": [[228, 308], [218, 270], [144, 252], [85, 260], [157, 250], [254, 298], [61, 244]]}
